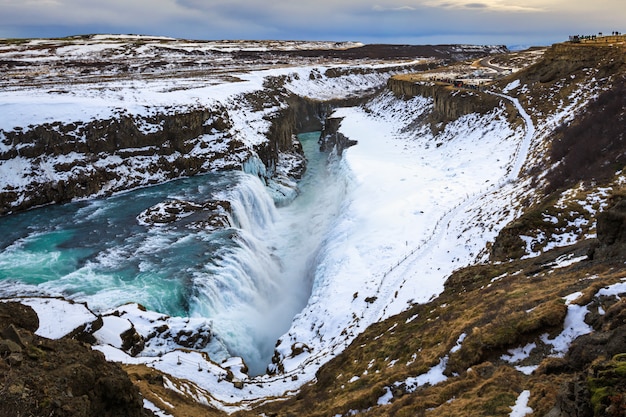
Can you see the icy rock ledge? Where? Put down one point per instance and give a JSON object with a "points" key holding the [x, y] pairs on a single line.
{"points": [[209, 215]]}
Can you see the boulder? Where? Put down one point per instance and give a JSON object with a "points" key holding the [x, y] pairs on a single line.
{"points": [[611, 231]]}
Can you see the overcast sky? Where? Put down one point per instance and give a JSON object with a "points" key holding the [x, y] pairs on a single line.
{"points": [[509, 22]]}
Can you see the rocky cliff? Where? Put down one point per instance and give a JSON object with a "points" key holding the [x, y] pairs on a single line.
{"points": [[43, 377], [333, 140], [297, 116], [449, 102], [101, 157], [566, 59], [70, 160]]}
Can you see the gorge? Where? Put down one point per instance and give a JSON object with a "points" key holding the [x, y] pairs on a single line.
{"points": [[163, 248], [427, 185]]}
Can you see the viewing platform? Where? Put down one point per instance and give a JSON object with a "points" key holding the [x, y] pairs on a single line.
{"points": [[614, 39]]}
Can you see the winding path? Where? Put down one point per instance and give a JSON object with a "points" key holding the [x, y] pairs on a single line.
{"points": [[486, 62]]}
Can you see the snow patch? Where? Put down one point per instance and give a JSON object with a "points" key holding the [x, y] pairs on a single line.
{"points": [[50, 310], [112, 328], [434, 376], [511, 86], [386, 398], [519, 354], [574, 326], [521, 408]]}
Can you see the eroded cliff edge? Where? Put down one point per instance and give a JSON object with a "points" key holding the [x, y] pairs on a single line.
{"points": [[449, 103], [57, 162]]}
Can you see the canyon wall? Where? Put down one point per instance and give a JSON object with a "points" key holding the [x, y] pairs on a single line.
{"points": [[59, 162], [63, 161], [449, 103]]}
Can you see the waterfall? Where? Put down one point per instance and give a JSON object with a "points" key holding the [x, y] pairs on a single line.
{"points": [[238, 285], [249, 279], [252, 207], [254, 288]]}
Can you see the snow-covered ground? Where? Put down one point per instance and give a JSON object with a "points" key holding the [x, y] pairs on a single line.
{"points": [[415, 209], [27, 106]]}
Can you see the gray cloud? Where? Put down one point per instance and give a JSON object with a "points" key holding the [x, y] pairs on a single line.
{"points": [[379, 8], [476, 6], [391, 21]]}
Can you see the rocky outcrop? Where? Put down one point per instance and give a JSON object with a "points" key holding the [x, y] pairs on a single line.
{"points": [[612, 225], [597, 362], [66, 161], [210, 215], [611, 232], [43, 377], [449, 103], [508, 244], [564, 59], [306, 115], [333, 140]]}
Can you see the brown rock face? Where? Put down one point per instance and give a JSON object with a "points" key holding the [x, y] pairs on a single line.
{"points": [[449, 103], [508, 244], [43, 377], [141, 148], [612, 225], [611, 231], [332, 138]]}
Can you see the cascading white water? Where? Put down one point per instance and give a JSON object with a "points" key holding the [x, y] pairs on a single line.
{"points": [[265, 280], [250, 280]]}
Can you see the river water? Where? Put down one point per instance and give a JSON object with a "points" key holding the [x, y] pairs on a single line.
{"points": [[249, 279]]}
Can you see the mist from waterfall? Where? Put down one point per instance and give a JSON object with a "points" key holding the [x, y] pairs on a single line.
{"points": [[250, 279]]}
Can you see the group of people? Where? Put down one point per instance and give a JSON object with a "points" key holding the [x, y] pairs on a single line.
{"points": [[579, 38]]}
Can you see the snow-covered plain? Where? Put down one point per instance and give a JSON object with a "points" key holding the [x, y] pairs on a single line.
{"points": [[414, 210]]}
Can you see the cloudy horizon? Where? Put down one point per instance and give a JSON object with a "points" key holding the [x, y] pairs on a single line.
{"points": [[501, 22]]}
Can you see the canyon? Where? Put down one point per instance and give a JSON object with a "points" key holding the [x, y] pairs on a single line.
{"points": [[451, 278]]}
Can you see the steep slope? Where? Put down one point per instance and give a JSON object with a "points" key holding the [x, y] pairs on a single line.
{"points": [[495, 332], [540, 332]]}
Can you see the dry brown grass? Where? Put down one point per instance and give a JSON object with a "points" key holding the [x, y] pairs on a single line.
{"points": [[517, 308], [150, 384]]}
